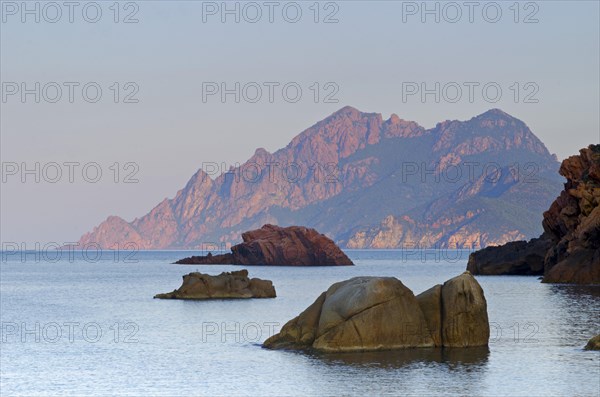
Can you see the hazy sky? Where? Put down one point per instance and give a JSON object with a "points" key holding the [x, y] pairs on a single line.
{"points": [[369, 55]]}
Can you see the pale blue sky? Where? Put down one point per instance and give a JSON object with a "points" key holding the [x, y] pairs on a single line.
{"points": [[170, 52]]}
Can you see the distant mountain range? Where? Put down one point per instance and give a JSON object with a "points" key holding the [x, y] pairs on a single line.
{"points": [[366, 182]]}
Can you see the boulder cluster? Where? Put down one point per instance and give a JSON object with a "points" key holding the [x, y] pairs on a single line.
{"points": [[233, 285], [380, 313]]}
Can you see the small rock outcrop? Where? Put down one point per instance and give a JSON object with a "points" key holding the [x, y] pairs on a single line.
{"points": [[380, 313], [514, 258], [570, 245], [233, 285], [593, 344], [210, 259], [274, 245]]}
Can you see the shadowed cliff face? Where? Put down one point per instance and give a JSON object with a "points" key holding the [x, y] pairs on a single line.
{"points": [[367, 183], [573, 222], [569, 249]]}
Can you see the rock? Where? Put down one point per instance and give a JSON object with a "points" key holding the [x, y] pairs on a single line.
{"points": [[232, 285], [573, 221], [210, 259], [513, 258], [380, 313], [593, 344], [570, 245], [464, 313], [274, 245], [582, 266], [430, 303]]}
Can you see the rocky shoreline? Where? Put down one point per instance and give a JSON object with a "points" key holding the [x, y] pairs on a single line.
{"points": [[569, 249]]}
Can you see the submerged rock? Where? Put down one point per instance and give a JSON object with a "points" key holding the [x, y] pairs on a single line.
{"points": [[570, 245], [380, 313], [593, 344], [234, 285], [275, 245]]}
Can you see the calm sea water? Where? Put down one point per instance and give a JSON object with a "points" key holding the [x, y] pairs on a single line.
{"points": [[78, 327]]}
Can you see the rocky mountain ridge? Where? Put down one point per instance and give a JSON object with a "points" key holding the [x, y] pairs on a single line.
{"points": [[365, 182]]}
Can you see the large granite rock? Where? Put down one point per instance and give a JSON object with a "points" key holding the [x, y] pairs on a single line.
{"points": [[275, 245], [234, 285], [464, 313], [380, 313], [570, 244]]}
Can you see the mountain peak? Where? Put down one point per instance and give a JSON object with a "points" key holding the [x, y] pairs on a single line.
{"points": [[394, 119], [346, 110], [261, 151], [495, 113]]}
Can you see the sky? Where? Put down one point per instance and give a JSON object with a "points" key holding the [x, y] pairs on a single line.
{"points": [[119, 104]]}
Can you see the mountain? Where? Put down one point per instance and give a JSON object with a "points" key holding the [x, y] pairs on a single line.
{"points": [[367, 183]]}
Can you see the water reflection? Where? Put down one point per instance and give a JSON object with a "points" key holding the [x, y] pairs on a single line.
{"points": [[570, 307], [452, 357], [576, 292]]}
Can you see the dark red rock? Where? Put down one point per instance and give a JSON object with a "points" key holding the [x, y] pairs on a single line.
{"points": [[274, 245]]}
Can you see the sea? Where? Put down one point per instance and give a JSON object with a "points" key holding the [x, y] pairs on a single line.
{"points": [[87, 325]]}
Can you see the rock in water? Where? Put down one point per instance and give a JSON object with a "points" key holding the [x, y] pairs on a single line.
{"points": [[514, 258], [593, 344], [210, 259], [370, 313], [234, 285], [570, 245], [430, 303], [380, 313], [274, 245], [464, 313]]}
